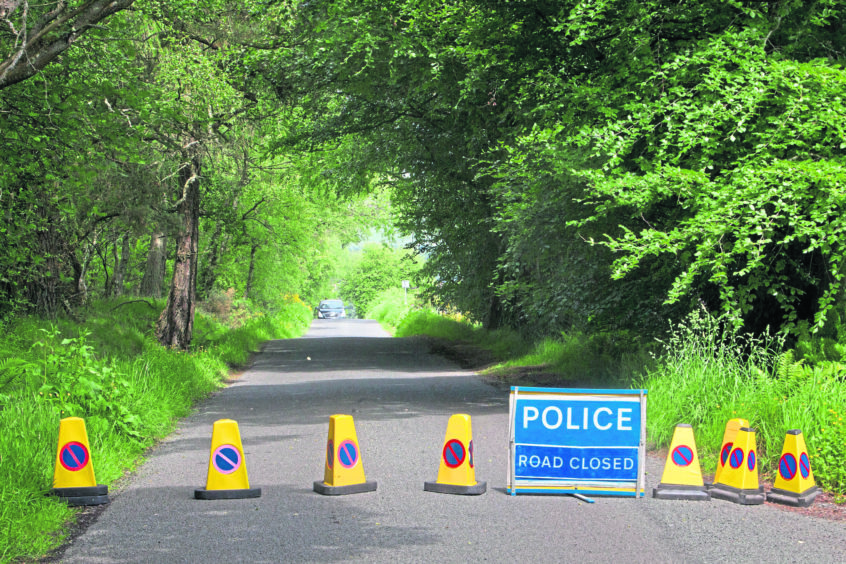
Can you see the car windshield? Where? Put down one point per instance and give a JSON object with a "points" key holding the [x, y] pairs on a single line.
{"points": [[332, 304]]}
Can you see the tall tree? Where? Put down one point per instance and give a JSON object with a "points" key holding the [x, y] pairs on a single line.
{"points": [[175, 326]]}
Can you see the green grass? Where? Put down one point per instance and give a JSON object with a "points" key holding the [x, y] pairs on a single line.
{"points": [[391, 306], [607, 357], [108, 369], [699, 375], [28, 519], [610, 359], [706, 377], [427, 322], [503, 344]]}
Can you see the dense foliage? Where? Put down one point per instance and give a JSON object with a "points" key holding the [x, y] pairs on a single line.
{"points": [[139, 163], [667, 156], [663, 156], [375, 269]]}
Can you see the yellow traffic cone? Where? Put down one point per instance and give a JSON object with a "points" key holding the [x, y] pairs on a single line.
{"points": [[73, 475], [344, 471], [739, 479], [732, 427], [457, 473], [227, 476], [682, 477], [795, 482]]}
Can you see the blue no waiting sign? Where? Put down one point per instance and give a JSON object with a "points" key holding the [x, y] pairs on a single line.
{"points": [[577, 441]]}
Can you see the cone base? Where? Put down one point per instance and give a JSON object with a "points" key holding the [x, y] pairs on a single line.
{"points": [[76, 497], [476, 489], [243, 493], [785, 497], [736, 495], [325, 489], [679, 491]]}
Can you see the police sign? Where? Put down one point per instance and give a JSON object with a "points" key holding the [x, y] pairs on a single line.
{"points": [[577, 441]]}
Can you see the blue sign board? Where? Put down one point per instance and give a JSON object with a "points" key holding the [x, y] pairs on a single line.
{"points": [[577, 441]]}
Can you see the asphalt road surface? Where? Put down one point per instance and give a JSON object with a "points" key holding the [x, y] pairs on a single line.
{"points": [[401, 397]]}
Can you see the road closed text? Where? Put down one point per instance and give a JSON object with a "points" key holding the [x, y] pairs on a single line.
{"points": [[574, 463]]}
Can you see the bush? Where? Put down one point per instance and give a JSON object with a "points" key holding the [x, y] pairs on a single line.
{"points": [[502, 343]]}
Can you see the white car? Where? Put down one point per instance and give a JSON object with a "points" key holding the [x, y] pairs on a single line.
{"points": [[331, 309]]}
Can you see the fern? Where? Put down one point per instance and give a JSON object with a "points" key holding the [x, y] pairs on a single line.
{"points": [[11, 368], [788, 368]]}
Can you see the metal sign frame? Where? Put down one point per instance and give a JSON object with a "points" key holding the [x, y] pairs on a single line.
{"points": [[563, 438]]}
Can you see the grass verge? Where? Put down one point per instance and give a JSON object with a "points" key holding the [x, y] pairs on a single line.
{"points": [[706, 376], [108, 369], [699, 375]]}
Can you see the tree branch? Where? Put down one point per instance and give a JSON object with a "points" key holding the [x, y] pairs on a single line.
{"points": [[246, 214], [134, 302], [52, 35]]}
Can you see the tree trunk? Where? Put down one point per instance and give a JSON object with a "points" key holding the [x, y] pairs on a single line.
{"points": [[154, 272], [493, 316], [104, 261], [110, 283], [209, 273], [44, 292], [249, 287], [121, 266], [80, 272], [78, 280], [175, 326]]}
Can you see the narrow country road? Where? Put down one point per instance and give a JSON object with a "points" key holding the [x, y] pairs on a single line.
{"points": [[400, 397]]}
